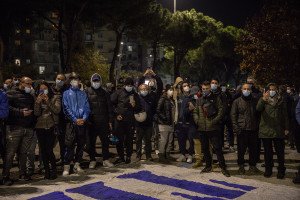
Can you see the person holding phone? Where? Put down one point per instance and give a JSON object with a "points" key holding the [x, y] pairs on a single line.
{"points": [[273, 127], [20, 125], [47, 108]]}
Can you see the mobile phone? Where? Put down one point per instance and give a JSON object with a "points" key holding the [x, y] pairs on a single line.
{"points": [[41, 91], [131, 99]]}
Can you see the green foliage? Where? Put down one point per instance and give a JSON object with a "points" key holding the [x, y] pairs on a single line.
{"points": [[131, 74], [270, 47], [87, 62]]}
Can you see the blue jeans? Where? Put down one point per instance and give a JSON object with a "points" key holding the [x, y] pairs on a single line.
{"points": [[31, 154]]}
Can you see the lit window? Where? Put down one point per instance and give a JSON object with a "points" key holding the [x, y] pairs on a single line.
{"points": [[18, 31], [129, 48], [88, 37], [42, 69], [27, 31], [27, 61], [18, 62], [54, 15], [17, 42]]}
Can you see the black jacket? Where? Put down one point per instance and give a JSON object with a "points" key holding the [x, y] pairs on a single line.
{"points": [[62, 117], [165, 110], [101, 111], [159, 86], [121, 102], [244, 115], [149, 105], [18, 100]]}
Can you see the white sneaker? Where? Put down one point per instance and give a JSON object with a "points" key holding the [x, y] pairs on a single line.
{"points": [[92, 164], [66, 171], [77, 168], [107, 163], [189, 159], [181, 158], [156, 152]]}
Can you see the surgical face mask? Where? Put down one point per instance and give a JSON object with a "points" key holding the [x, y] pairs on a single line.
{"points": [[170, 93], [144, 93], [214, 86], [246, 93], [5, 86], [27, 90], [16, 82], [74, 83], [46, 92], [272, 93], [95, 85], [151, 84], [186, 89], [288, 91], [206, 92], [59, 83], [128, 89], [223, 89]]}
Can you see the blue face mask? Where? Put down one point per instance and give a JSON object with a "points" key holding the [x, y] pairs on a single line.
{"points": [[5, 86], [59, 83], [128, 89], [246, 93], [95, 85], [144, 93], [27, 90], [214, 86], [206, 92], [272, 93]]}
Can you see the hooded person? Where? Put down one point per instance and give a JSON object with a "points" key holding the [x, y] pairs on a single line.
{"points": [[177, 87], [100, 120]]}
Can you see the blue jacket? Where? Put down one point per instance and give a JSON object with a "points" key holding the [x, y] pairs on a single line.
{"points": [[185, 116], [75, 104], [4, 108], [298, 112]]}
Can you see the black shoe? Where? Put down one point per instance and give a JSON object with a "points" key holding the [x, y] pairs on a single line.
{"points": [[119, 160], [268, 172], [128, 160], [25, 177], [296, 180], [138, 158], [53, 174], [225, 172], [241, 170], [149, 158], [30, 171], [162, 159], [47, 175], [206, 170], [7, 181], [253, 170], [281, 173]]}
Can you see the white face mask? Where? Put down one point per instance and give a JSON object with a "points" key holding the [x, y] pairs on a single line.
{"points": [[27, 90], [223, 89], [74, 83], [170, 93], [45, 92], [186, 89], [95, 85]]}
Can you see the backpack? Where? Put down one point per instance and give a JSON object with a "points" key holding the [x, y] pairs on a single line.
{"points": [[209, 109]]}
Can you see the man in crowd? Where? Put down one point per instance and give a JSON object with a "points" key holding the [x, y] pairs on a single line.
{"points": [[245, 121], [20, 126], [208, 112], [76, 108], [7, 84], [127, 103], [100, 120], [4, 110]]}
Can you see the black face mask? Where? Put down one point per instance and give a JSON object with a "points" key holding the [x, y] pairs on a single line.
{"points": [[251, 84]]}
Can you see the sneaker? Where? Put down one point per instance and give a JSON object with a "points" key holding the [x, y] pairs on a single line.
{"points": [[206, 170], [7, 181], [241, 170], [66, 171], [189, 159], [119, 160], [92, 164], [225, 172], [107, 163], [149, 158], [128, 160], [268, 172], [254, 170], [156, 152], [231, 149], [77, 168], [181, 158], [25, 177]]}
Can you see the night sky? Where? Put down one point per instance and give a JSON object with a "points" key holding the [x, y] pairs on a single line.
{"points": [[230, 12]]}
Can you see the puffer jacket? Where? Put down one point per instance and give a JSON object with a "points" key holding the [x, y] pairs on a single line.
{"points": [[274, 119], [212, 123], [47, 112], [244, 115], [165, 110], [149, 105], [18, 100], [101, 111], [121, 102], [4, 108]]}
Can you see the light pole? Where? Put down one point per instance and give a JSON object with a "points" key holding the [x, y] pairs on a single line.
{"points": [[118, 70], [174, 6]]}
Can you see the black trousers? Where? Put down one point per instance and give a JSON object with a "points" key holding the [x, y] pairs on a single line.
{"points": [[247, 139], [46, 138], [61, 128], [124, 133], [279, 148], [186, 132], [145, 133], [102, 132], [215, 139]]}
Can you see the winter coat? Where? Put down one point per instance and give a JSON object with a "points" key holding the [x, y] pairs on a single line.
{"points": [[211, 123], [297, 112], [244, 115], [18, 100], [101, 110], [149, 105], [159, 86], [177, 91], [121, 102], [75, 105], [182, 113], [274, 119], [165, 111], [47, 113], [4, 107], [60, 92]]}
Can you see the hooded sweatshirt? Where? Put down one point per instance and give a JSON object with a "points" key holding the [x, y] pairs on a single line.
{"points": [[177, 91]]}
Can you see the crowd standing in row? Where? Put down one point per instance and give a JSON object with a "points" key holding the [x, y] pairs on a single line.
{"points": [[76, 114]]}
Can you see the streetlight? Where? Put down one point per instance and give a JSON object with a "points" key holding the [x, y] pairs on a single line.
{"points": [[118, 70], [174, 6]]}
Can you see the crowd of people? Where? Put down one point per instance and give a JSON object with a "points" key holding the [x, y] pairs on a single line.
{"points": [[207, 115]]}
